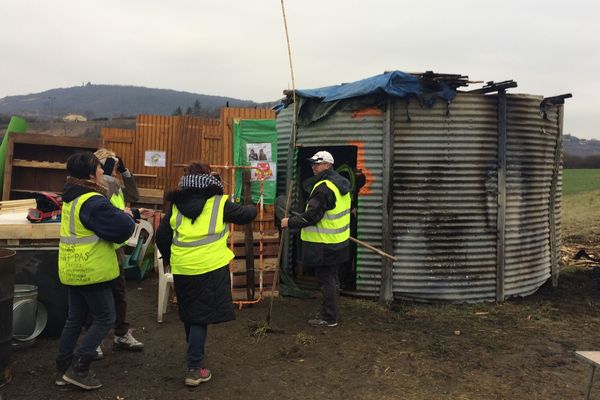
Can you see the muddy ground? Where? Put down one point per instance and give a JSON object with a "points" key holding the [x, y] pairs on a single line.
{"points": [[522, 349]]}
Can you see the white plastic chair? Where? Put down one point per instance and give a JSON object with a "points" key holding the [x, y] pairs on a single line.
{"points": [[140, 226], [165, 283]]}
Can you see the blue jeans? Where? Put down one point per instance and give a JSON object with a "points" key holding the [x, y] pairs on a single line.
{"points": [[99, 302], [195, 334]]}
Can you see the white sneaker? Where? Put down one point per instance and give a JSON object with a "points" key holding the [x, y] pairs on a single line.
{"points": [[127, 342], [99, 353]]}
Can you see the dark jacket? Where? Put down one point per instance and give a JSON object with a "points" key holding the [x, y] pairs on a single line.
{"points": [[205, 298], [319, 201], [100, 216]]}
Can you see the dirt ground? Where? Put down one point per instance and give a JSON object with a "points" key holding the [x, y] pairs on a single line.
{"points": [[521, 349]]}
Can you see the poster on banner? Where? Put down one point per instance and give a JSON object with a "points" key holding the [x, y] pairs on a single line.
{"points": [[258, 152], [155, 158], [266, 171]]}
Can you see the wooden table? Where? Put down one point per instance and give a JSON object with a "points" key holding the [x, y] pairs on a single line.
{"points": [[16, 230], [592, 358]]}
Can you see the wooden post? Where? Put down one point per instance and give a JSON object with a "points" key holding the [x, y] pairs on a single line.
{"points": [[386, 294], [501, 217], [249, 237], [552, 202]]}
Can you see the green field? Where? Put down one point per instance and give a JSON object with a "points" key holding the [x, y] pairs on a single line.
{"points": [[581, 206], [580, 180]]}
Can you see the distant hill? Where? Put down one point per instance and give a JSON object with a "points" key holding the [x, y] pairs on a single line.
{"points": [[580, 147], [107, 101]]}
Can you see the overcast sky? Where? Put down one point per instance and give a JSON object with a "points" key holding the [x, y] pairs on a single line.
{"points": [[238, 49]]}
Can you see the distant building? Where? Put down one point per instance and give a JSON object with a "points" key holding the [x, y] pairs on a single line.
{"points": [[74, 118]]}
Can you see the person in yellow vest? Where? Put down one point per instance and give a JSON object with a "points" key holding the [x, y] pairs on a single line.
{"points": [[87, 264], [121, 187], [192, 238], [325, 232]]}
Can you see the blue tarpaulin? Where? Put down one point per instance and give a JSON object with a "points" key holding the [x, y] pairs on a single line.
{"points": [[316, 104], [395, 83]]}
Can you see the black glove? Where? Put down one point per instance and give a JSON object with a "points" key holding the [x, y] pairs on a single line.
{"points": [[121, 166], [108, 166]]}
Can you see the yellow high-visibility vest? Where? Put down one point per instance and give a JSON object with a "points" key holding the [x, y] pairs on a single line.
{"points": [[201, 246], [83, 258], [118, 200], [334, 227]]}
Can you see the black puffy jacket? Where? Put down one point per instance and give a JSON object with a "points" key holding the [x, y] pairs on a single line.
{"points": [[205, 298]]}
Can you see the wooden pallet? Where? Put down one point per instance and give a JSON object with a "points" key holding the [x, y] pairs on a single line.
{"points": [[270, 250]]}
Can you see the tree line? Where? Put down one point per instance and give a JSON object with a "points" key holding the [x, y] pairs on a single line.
{"points": [[197, 110], [573, 161]]}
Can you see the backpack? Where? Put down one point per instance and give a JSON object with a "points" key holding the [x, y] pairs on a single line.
{"points": [[49, 207]]}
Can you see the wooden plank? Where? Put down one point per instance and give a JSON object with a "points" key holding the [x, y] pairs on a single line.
{"points": [[39, 164], [28, 230], [50, 140], [240, 280], [590, 357], [118, 140], [239, 294], [239, 264], [267, 250]]}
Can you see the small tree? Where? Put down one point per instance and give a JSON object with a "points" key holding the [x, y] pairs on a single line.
{"points": [[178, 111], [189, 111], [197, 108]]}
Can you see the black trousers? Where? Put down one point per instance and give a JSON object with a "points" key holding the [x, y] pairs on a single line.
{"points": [[327, 275]]}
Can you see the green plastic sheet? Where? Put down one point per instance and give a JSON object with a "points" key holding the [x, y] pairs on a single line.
{"points": [[255, 144], [18, 125]]}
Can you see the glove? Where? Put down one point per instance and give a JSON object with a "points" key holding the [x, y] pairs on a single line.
{"points": [[121, 166], [108, 166]]}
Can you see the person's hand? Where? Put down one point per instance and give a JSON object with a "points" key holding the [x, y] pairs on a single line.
{"points": [[121, 165], [146, 212], [128, 211], [284, 223]]}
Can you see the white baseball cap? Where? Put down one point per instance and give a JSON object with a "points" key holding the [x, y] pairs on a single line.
{"points": [[321, 157]]}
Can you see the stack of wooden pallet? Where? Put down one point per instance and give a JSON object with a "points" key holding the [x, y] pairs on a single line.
{"points": [[240, 275]]}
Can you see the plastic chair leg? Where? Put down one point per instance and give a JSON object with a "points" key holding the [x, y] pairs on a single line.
{"points": [[163, 298]]}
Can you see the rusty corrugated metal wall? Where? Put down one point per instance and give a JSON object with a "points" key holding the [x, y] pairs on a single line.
{"points": [[531, 144], [445, 195], [445, 199]]}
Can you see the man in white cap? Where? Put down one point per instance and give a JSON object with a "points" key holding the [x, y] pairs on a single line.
{"points": [[325, 231]]}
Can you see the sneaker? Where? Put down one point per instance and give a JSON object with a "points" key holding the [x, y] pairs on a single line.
{"points": [[58, 379], [321, 323], [194, 377], [127, 342], [87, 381], [99, 353]]}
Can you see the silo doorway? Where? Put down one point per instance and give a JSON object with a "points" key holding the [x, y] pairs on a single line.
{"points": [[345, 158]]}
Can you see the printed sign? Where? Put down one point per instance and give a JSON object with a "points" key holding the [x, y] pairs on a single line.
{"points": [[155, 158]]}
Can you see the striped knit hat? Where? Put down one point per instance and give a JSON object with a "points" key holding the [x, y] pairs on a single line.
{"points": [[201, 181]]}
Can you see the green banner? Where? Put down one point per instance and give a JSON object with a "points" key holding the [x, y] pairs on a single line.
{"points": [[16, 124], [255, 144]]}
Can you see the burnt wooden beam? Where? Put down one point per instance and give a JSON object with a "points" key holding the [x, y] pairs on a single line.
{"points": [[492, 86], [501, 215]]}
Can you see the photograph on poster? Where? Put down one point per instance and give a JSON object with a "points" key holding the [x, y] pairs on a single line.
{"points": [[258, 152]]}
